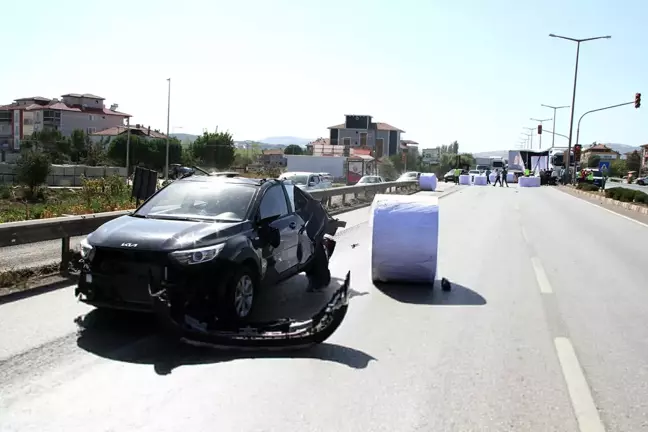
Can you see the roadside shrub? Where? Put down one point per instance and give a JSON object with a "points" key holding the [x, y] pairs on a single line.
{"points": [[32, 169], [641, 197], [587, 187], [609, 193]]}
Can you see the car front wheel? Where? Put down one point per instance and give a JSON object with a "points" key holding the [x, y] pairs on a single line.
{"points": [[240, 294]]}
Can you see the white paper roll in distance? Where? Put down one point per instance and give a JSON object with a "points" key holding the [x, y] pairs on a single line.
{"points": [[510, 177], [464, 179], [480, 180], [529, 181], [492, 177], [428, 181], [405, 238]]}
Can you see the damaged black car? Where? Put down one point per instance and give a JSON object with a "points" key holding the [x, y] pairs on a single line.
{"points": [[204, 246]]}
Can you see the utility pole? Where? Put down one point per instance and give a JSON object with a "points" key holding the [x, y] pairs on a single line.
{"points": [[540, 129], [127, 148], [554, 108], [530, 137], [573, 104], [166, 165]]}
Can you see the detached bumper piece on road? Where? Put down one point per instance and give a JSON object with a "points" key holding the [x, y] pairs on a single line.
{"points": [[282, 334]]}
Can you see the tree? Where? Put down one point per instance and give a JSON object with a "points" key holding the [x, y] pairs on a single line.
{"points": [[150, 153], [56, 146], [386, 168], [32, 168], [634, 161], [618, 168], [593, 161], [215, 149], [293, 149]]}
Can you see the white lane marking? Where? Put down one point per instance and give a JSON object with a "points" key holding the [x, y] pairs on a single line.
{"points": [[524, 235], [579, 392], [541, 276], [517, 206], [611, 211]]}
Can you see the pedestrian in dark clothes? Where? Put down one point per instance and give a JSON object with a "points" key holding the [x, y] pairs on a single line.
{"points": [[498, 178], [488, 171], [504, 173]]}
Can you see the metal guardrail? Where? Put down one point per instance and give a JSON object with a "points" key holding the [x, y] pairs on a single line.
{"points": [[65, 227]]}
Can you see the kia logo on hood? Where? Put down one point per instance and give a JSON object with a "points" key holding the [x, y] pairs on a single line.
{"points": [[129, 244]]}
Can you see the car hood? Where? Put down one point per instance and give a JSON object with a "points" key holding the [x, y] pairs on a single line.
{"points": [[162, 234]]}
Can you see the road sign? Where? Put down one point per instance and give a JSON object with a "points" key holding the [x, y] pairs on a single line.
{"points": [[431, 156], [604, 166]]}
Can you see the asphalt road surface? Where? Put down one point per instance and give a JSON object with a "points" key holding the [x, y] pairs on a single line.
{"points": [[49, 252], [544, 330]]}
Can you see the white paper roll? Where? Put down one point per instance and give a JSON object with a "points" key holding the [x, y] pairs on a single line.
{"points": [[480, 180], [529, 182], [428, 181], [405, 238], [510, 178], [464, 179], [492, 177]]}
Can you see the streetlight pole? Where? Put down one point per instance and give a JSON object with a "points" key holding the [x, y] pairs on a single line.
{"points": [[554, 108], [540, 121], [166, 164], [571, 119], [530, 137]]}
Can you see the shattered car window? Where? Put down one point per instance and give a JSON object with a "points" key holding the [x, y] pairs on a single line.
{"points": [[200, 200], [273, 203]]}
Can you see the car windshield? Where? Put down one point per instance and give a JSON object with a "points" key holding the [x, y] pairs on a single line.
{"points": [[300, 179], [369, 180], [199, 200]]}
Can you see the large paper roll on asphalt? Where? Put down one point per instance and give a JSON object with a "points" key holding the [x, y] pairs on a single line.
{"points": [[405, 238], [529, 182], [510, 177], [428, 181], [464, 179], [480, 180]]}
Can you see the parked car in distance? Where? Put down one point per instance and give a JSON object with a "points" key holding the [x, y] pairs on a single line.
{"points": [[409, 176], [306, 180], [370, 180]]}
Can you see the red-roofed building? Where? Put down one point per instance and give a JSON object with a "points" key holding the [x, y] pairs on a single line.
{"points": [[360, 131], [25, 116]]}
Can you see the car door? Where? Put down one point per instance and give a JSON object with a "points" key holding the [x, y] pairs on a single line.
{"points": [[305, 213], [274, 204]]}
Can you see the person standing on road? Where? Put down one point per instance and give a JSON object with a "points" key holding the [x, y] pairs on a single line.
{"points": [[488, 172], [457, 173], [503, 180], [498, 178]]}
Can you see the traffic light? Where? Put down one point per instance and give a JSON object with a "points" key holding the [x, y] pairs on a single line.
{"points": [[577, 152], [637, 100], [539, 129]]}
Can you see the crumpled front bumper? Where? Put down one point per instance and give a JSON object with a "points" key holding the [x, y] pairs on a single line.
{"points": [[282, 334]]}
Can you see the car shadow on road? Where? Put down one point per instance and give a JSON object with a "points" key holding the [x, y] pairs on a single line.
{"points": [[137, 338], [424, 294]]}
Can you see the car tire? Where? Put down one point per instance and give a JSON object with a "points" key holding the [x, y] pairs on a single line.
{"points": [[240, 295], [319, 268]]}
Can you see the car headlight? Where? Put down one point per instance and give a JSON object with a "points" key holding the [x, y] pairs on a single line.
{"points": [[197, 256], [87, 250]]}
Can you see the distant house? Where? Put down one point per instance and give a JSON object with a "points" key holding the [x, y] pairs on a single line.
{"points": [[273, 159], [604, 152], [644, 156], [410, 146], [360, 131], [138, 130], [87, 112]]}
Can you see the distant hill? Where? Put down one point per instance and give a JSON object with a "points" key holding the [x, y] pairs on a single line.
{"points": [[285, 140], [184, 138]]}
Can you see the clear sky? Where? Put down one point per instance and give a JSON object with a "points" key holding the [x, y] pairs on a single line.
{"points": [[468, 70]]}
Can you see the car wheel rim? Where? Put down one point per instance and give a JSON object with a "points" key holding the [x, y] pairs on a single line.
{"points": [[243, 296]]}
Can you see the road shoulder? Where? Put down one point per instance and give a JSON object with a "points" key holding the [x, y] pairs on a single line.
{"points": [[600, 202]]}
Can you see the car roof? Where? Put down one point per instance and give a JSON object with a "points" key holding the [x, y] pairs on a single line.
{"points": [[299, 173], [230, 180]]}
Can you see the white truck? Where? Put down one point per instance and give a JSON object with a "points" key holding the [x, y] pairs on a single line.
{"points": [[489, 162]]}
